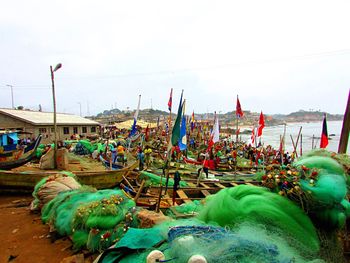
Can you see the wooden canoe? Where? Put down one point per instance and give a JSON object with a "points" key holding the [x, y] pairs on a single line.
{"points": [[11, 181], [19, 156]]}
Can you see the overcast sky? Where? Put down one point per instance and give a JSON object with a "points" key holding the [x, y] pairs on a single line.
{"points": [[278, 56]]}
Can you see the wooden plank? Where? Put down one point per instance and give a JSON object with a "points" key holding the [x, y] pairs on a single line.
{"points": [[205, 193], [233, 184], [190, 184], [139, 191], [183, 196], [220, 185], [204, 185]]}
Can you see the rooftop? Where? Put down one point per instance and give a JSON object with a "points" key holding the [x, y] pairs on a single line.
{"points": [[46, 118]]}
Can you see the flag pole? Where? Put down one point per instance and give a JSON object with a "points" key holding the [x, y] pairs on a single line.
{"points": [[166, 167], [170, 108], [169, 129], [236, 128]]}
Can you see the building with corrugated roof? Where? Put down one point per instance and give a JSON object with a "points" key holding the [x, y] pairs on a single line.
{"points": [[37, 122]]}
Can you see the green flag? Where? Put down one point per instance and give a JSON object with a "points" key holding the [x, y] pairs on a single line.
{"points": [[175, 136]]}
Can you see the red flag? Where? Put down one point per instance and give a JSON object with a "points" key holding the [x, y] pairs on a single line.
{"points": [[170, 102], [239, 112], [324, 135], [261, 124], [252, 137]]}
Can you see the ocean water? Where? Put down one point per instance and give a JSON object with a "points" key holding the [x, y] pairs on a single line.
{"points": [[271, 135]]}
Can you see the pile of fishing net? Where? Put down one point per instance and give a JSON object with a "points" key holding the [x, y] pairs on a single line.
{"points": [[318, 184], [240, 224], [40, 150], [153, 179], [325, 182], [191, 209], [83, 147], [243, 162], [49, 187], [93, 219], [342, 158]]}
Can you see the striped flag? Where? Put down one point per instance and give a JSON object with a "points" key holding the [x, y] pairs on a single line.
{"points": [[252, 137], [215, 133], [170, 102]]}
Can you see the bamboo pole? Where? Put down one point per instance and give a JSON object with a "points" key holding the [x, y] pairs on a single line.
{"points": [[295, 145], [236, 128], [139, 191], [161, 186]]}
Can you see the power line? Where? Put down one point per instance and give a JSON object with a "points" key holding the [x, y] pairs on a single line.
{"points": [[260, 61], [179, 70]]}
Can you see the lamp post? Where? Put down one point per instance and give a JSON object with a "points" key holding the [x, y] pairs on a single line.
{"points": [[58, 66], [13, 105]]}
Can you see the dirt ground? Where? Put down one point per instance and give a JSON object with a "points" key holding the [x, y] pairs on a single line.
{"points": [[26, 239]]}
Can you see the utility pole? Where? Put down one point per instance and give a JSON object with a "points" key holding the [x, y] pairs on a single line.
{"points": [[79, 108], [88, 109], [58, 66], [13, 104]]}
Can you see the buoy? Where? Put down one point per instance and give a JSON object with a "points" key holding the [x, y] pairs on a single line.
{"points": [[155, 256], [197, 259]]}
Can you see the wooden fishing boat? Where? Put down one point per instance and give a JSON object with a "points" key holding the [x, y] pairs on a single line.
{"points": [[11, 181], [195, 189], [12, 154], [110, 165]]}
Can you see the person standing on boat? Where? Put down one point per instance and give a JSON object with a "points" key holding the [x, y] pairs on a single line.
{"points": [[141, 158], [121, 153], [148, 152], [114, 153], [206, 164]]}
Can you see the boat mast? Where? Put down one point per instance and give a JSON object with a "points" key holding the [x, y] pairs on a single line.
{"points": [[344, 136]]}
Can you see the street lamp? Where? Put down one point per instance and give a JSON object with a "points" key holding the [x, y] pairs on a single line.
{"points": [[58, 66], [11, 95]]}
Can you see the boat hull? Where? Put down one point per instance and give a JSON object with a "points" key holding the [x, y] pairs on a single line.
{"points": [[24, 182]]}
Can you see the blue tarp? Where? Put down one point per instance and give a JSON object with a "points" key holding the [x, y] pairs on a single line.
{"points": [[4, 138]]}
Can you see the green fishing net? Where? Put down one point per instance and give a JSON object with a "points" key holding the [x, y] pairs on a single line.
{"points": [[342, 159], [258, 205], [324, 180], [156, 179], [191, 209], [241, 224], [317, 183], [94, 219]]}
